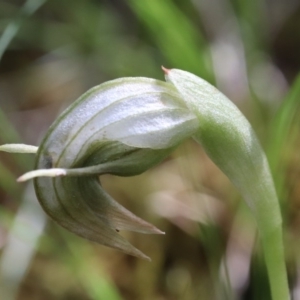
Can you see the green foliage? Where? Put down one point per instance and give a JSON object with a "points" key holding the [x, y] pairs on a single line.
{"points": [[60, 51]]}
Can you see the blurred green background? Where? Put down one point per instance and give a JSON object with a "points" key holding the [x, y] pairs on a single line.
{"points": [[53, 51]]}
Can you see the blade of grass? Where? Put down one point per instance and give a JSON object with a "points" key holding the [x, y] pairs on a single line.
{"points": [[281, 138], [27, 227], [282, 124], [97, 284], [175, 34], [13, 27]]}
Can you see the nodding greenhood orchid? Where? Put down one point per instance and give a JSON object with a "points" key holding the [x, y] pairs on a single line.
{"points": [[124, 127], [120, 127]]}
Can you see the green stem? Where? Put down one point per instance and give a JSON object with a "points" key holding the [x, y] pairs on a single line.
{"points": [[274, 258], [249, 172], [229, 140]]}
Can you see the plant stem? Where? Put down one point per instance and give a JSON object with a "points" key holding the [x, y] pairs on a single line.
{"points": [[229, 140], [274, 258]]}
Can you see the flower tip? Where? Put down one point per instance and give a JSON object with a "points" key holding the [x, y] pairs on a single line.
{"points": [[160, 232], [145, 257], [165, 70], [18, 148], [41, 173]]}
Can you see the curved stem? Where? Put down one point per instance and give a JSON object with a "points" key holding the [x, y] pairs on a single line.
{"points": [[229, 140]]}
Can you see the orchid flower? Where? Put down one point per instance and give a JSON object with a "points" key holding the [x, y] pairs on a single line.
{"points": [[128, 125]]}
